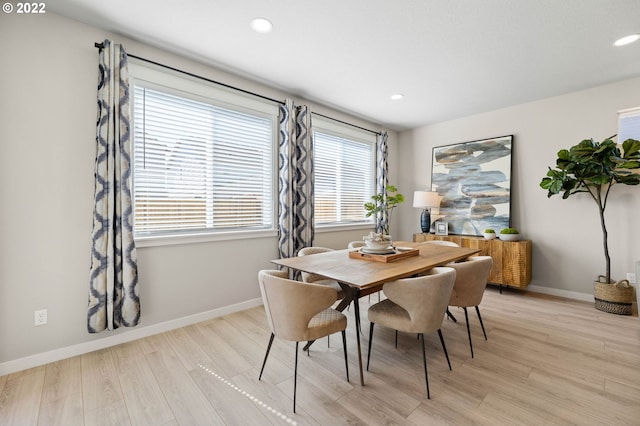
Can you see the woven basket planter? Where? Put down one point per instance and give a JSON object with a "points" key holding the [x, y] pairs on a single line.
{"points": [[615, 298]]}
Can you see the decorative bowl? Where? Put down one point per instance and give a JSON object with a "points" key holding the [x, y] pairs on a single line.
{"points": [[376, 241], [377, 245], [510, 237], [489, 235]]}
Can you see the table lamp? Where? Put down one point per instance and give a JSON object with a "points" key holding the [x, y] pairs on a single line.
{"points": [[425, 200]]}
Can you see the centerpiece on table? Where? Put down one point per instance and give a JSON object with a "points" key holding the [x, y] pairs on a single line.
{"points": [[381, 206]]}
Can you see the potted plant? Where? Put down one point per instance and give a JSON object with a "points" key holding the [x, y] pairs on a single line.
{"points": [[382, 204], [489, 234], [595, 168], [509, 234]]}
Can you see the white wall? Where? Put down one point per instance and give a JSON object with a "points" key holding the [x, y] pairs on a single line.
{"points": [[566, 234], [47, 152]]}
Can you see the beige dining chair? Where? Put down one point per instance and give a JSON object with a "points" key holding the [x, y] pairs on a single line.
{"points": [[415, 305], [357, 244], [319, 279], [442, 243], [299, 312], [471, 281], [446, 244]]}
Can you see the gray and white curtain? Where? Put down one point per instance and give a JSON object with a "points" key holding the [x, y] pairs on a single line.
{"points": [[113, 284], [382, 179], [295, 179]]}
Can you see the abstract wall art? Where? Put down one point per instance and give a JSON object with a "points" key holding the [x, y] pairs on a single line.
{"points": [[474, 181]]}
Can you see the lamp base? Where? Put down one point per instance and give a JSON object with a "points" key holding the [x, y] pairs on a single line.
{"points": [[425, 221]]}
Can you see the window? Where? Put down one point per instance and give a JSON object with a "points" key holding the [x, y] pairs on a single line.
{"points": [[203, 158], [344, 167]]}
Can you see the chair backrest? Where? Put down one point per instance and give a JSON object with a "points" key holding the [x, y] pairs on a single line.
{"points": [[471, 280], [307, 277], [356, 244], [442, 243], [290, 305], [425, 298]]}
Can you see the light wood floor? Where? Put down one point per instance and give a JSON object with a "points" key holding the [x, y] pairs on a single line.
{"points": [[547, 361]]}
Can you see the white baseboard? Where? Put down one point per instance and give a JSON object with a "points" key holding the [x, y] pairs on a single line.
{"points": [[585, 297], [126, 336]]}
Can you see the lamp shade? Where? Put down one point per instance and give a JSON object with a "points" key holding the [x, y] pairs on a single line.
{"points": [[424, 199]]}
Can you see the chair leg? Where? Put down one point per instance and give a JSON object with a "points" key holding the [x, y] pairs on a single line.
{"points": [[266, 355], [396, 339], [370, 344], [424, 360], [295, 379], [481, 324], [344, 345], [466, 317], [450, 315], [444, 348]]}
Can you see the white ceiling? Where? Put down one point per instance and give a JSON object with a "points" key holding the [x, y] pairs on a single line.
{"points": [[450, 58]]}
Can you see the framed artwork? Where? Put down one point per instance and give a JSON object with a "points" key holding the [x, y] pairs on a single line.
{"points": [[474, 181], [442, 228]]}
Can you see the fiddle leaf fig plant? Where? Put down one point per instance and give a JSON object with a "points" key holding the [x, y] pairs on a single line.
{"points": [[382, 204], [594, 168]]}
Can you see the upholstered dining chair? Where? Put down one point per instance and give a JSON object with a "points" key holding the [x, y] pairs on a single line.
{"points": [[357, 244], [299, 312], [319, 279], [415, 305], [442, 243], [471, 281]]}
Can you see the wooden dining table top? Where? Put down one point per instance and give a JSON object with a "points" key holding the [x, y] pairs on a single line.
{"points": [[365, 273]]}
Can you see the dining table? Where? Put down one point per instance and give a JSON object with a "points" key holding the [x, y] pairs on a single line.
{"points": [[362, 275]]}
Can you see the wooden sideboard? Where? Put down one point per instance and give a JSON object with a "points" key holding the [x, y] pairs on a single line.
{"points": [[511, 259]]}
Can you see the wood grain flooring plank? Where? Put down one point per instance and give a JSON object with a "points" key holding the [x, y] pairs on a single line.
{"points": [[114, 414], [100, 382], [188, 404], [20, 398]]}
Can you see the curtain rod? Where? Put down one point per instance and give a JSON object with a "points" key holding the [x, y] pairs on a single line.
{"points": [[101, 46]]}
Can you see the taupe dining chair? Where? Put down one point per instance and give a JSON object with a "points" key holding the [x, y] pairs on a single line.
{"points": [[442, 243], [357, 244], [299, 312], [319, 279], [471, 281], [447, 244], [415, 305]]}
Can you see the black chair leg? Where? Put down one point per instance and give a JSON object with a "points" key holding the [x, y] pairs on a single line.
{"points": [[444, 348], [466, 317], [481, 324], [266, 355], [396, 339], [450, 315], [424, 360], [370, 344], [295, 379], [344, 345]]}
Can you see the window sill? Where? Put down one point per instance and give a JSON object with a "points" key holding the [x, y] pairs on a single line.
{"points": [[202, 238]]}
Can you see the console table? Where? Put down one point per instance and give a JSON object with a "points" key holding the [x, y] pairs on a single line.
{"points": [[511, 259]]}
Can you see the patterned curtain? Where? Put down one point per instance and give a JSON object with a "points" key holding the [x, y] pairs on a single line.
{"points": [[113, 285], [382, 179], [295, 176]]}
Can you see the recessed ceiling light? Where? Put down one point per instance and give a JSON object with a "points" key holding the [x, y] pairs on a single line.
{"points": [[261, 25], [627, 40], [397, 97]]}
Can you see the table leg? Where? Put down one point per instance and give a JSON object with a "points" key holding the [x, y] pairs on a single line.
{"points": [[356, 312]]}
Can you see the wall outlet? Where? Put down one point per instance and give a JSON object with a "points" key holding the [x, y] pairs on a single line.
{"points": [[631, 277], [40, 317]]}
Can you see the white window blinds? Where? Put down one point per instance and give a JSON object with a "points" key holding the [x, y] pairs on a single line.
{"points": [[344, 175], [199, 167]]}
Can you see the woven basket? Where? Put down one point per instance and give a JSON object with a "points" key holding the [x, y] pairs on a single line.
{"points": [[614, 298]]}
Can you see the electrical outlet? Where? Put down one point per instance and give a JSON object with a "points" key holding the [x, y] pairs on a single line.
{"points": [[40, 317], [631, 277]]}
